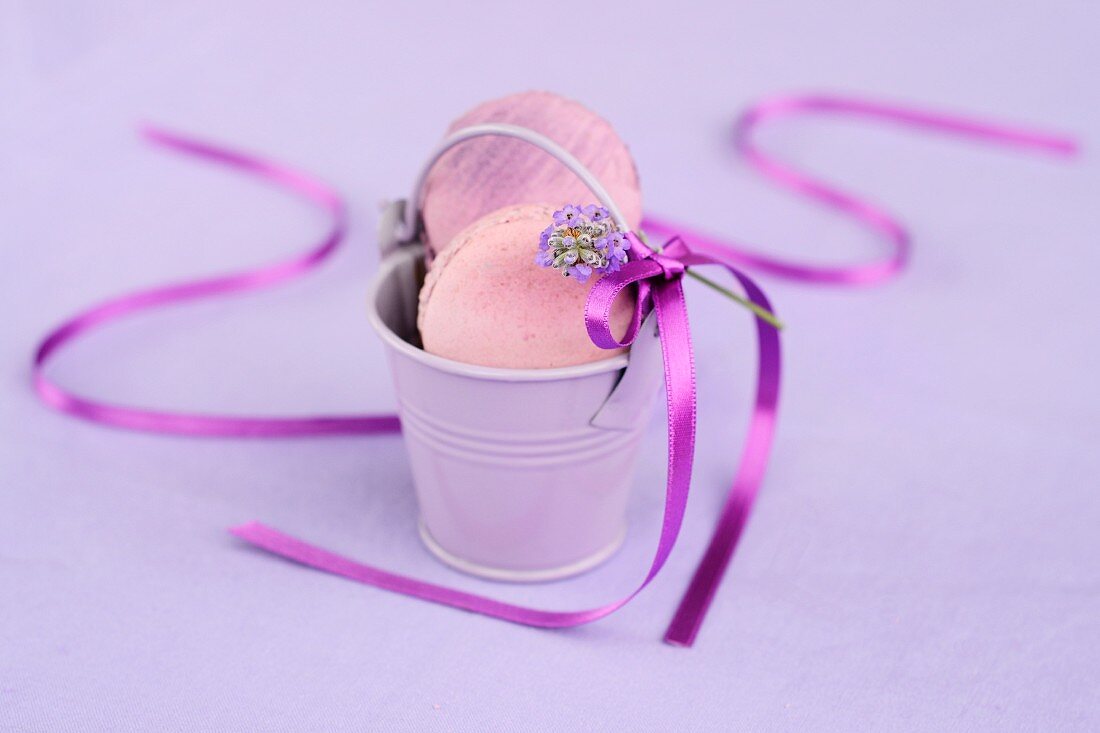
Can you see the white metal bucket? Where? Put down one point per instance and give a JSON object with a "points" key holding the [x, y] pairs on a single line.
{"points": [[520, 474]]}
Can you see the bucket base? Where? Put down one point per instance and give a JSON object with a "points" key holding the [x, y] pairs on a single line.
{"points": [[520, 576]]}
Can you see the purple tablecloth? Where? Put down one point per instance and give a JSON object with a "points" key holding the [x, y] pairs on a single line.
{"points": [[926, 551]]}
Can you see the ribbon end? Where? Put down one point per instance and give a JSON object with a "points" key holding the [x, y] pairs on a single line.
{"points": [[150, 132], [246, 531], [1070, 147], [678, 642], [685, 625]]}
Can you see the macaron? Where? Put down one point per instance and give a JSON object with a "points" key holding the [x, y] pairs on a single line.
{"points": [[485, 301], [484, 174]]}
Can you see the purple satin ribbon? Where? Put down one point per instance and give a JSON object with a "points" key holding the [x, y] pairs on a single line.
{"points": [[869, 215], [658, 277], [160, 421]]}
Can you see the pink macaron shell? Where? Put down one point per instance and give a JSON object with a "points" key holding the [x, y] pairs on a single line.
{"points": [[486, 302], [484, 174]]}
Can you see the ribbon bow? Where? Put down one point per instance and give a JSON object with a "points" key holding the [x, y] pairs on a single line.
{"points": [[658, 275]]}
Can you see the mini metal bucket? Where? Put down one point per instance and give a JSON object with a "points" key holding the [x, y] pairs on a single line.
{"points": [[520, 474]]}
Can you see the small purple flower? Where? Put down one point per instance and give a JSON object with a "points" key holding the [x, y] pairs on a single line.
{"points": [[596, 213], [544, 238], [544, 258], [618, 247], [580, 272], [602, 244], [568, 216]]}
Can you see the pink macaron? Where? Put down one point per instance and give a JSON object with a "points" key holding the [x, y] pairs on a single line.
{"points": [[485, 301], [484, 174]]}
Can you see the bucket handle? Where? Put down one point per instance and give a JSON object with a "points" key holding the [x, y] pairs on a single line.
{"points": [[401, 224]]}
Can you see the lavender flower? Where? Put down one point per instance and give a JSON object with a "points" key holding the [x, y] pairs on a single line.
{"points": [[544, 238], [581, 272], [596, 213], [568, 216], [582, 240], [619, 245]]}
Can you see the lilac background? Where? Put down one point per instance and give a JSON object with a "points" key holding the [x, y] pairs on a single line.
{"points": [[925, 554]]}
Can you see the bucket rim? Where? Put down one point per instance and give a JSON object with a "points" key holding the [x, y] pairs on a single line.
{"points": [[405, 254]]}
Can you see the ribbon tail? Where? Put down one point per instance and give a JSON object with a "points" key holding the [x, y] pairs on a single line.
{"points": [[867, 214], [708, 575], [210, 425]]}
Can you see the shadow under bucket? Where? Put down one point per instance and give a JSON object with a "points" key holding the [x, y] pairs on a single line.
{"points": [[520, 474]]}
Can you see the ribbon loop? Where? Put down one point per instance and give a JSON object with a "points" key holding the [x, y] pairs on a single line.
{"points": [[597, 311]]}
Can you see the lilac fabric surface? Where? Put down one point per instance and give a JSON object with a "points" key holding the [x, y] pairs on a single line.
{"points": [[924, 554]]}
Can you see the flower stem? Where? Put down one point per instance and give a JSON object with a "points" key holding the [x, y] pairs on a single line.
{"points": [[757, 310], [767, 315]]}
